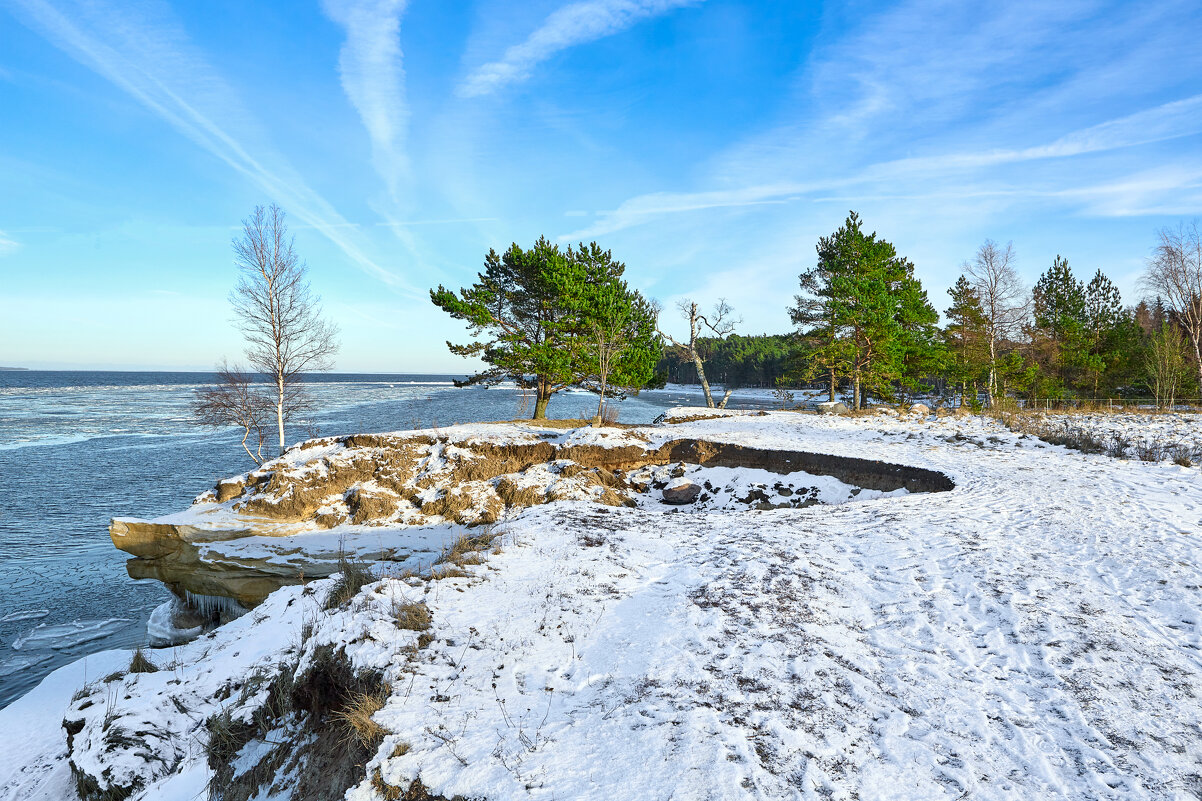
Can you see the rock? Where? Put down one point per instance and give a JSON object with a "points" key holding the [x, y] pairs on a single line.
{"points": [[682, 493], [832, 407], [920, 408], [230, 488]]}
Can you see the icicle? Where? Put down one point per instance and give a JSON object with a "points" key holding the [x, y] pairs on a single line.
{"points": [[217, 606]]}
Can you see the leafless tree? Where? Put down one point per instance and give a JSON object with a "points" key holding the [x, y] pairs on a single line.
{"points": [[718, 322], [278, 313], [1174, 273], [234, 401], [1166, 364], [1003, 297]]}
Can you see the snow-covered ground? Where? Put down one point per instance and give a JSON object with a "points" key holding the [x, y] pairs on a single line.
{"points": [[1033, 633], [1164, 429]]}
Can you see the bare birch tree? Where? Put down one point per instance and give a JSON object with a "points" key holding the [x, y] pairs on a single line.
{"points": [[1165, 364], [718, 322], [1174, 273], [277, 312], [1004, 299], [233, 401]]}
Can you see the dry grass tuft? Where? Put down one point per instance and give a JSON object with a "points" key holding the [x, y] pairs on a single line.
{"points": [[141, 664], [468, 548], [389, 792], [355, 718], [352, 576], [411, 616], [513, 495], [439, 572]]}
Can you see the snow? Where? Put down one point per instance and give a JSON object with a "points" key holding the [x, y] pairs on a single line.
{"points": [[1033, 633], [34, 767], [1165, 429]]}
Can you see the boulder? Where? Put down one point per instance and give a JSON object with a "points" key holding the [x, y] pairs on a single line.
{"points": [[681, 493], [920, 408], [832, 407], [230, 488]]}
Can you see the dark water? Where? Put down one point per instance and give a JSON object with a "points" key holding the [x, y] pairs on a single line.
{"points": [[77, 448]]}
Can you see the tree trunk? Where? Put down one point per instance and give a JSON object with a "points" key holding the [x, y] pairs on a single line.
{"points": [[601, 402], [856, 391], [832, 397], [992, 389], [705, 384], [245, 435], [279, 409], [540, 405], [1198, 357]]}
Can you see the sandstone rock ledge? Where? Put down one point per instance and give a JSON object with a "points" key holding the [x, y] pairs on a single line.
{"points": [[396, 497]]}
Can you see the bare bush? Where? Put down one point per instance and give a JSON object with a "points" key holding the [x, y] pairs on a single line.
{"points": [[1182, 454], [234, 401], [1149, 451]]}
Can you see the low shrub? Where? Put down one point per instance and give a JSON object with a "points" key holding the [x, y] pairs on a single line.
{"points": [[1120, 446], [1149, 451]]}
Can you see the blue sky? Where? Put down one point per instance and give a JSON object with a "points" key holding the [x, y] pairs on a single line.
{"points": [[709, 143]]}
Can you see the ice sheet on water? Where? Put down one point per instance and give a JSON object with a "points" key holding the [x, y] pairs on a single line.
{"points": [[20, 662], [24, 614], [67, 635]]}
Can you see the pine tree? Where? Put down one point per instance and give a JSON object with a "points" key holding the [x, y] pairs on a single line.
{"points": [[528, 314], [967, 337], [1103, 317], [1058, 334], [865, 312]]}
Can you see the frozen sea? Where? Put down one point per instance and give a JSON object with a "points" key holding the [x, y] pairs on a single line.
{"points": [[77, 448]]}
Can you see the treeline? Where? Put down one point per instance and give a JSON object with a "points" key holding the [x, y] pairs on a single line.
{"points": [[737, 361], [866, 327], [551, 318]]}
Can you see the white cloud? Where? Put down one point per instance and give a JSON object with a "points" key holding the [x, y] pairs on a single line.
{"points": [[888, 179], [570, 25], [148, 56], [7, 244], [373, 77]]}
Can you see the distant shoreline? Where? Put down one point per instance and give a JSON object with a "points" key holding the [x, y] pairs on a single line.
{"points": [[12, 369]]}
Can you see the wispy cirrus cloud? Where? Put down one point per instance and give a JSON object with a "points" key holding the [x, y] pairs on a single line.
{"points": [[7, 244], [1167, 121], [373, 76], [143, 51], [573, 24]]}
